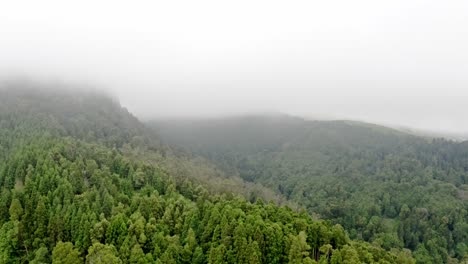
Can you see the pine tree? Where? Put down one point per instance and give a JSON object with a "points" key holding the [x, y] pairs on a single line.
{"points": [[137, 256], [16, 210]]}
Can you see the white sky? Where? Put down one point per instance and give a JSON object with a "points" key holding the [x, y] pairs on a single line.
{"points": [[396, 62]]}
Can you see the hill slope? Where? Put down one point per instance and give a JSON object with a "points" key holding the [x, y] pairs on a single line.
{"points": [[384, 186], [82, 180]]}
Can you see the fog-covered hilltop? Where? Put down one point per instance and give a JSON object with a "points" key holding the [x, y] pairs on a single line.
{"points": [[54, 110], [385, 186], [88, 115]]}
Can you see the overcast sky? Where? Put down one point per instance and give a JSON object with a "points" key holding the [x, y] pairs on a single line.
{"points": [[393, 62]]}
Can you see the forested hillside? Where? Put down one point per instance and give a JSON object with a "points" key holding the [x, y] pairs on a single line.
{"points": [[386, 187], [83, 181]]}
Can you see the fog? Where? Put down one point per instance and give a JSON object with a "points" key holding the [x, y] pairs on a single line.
{"points": [[390, 62]]}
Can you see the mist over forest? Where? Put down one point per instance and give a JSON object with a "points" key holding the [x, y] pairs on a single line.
{"points": [[234, 132], [398, 63]]}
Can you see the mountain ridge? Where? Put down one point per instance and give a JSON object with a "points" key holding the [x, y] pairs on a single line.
{"points": [[356, 174]]}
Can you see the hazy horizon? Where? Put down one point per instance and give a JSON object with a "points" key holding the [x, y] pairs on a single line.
{"points": [[399, 63]]}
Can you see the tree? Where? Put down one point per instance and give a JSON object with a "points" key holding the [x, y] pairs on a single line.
{"points": [[102, 254], [41, 256], [9, 242], [217, 255], [198, 256], [299, 248], [189, 247], [349, 255], [64, 253], [137, 256], [16, 210], [41, 216]]}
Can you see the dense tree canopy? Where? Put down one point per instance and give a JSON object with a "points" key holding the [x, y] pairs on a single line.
{"points": [[386, 187], [82, 181]]}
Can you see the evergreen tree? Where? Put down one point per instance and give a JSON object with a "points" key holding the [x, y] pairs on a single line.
{"points": [[64, 253], [102, 254]]}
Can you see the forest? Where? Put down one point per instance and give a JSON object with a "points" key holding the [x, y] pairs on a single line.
{"points": [[386, 187], [83, 181]]}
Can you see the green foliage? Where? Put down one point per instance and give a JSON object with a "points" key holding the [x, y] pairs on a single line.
{"points": [[41, 256], [16, 210], [79, 185], [386, 187], [102, 254], [65, 253]]}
